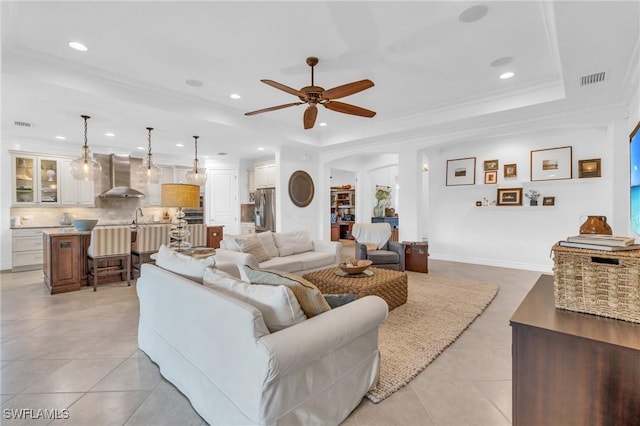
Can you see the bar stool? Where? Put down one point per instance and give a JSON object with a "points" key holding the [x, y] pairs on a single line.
{"points": [[198, 235], [108, 244], [149, 238]]}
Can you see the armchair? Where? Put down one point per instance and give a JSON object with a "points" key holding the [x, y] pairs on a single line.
{"points": [[372, 243]]}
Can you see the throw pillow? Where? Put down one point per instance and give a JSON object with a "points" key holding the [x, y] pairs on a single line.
{"points": [[289, 243], [268, 242], [254, 246], [336, 300], [308, 295], [278, 305], [186, 266]]}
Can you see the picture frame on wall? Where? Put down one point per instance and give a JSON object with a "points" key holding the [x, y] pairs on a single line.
{"points": [[461, 171], [491, 177], [510, 171], [634, 184], [589, 168], [548, 201], [490, 165], [552, 164], [509, 197]]}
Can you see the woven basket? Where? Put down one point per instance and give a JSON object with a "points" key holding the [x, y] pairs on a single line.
{"points": [[598, 282]]}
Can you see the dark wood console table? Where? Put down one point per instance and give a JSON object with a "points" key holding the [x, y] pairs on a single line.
{"points": [[571, 368]]}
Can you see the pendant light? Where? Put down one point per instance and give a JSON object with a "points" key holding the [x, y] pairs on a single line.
{"points": [[85, 167], [196, 176], [149, 173]]}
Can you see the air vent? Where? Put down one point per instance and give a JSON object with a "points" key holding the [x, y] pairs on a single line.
{"points": [[22, 124], [592, 78]]}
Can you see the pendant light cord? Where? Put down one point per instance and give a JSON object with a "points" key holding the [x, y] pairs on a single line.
{"points": [[196, 161], [85, 147], [149, 129]]}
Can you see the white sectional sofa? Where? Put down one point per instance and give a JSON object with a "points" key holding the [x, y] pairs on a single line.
{"points": [[217, 350], [288, 252]]}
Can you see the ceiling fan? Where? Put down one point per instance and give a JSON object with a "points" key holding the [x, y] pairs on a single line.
{"points": [[314, 95]]}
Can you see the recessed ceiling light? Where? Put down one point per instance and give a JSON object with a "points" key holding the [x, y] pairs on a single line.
{"points": [[323, 124], [194, 83], [62, 138], [141, 148], [500, 62], [109, 134], [78, 46], [179, 145], [260, 148], [506, 75], [473, 14], [234, 96]]}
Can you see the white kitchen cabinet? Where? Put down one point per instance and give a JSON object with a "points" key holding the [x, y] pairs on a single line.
{"points": [[251, 180], [72, 191], [35, 179], [180, 174], [27, 253], [265, 175]]}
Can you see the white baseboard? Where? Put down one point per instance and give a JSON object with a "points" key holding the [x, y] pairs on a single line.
{"points": [[493, 262]]}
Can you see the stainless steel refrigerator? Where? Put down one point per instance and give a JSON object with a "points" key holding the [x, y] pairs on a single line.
{"points": [[265, 209]]}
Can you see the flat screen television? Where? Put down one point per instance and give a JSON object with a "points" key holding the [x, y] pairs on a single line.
{"points": [[634, 157]]}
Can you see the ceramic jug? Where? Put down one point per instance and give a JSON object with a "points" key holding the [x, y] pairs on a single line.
{"points": [[595, 225]]}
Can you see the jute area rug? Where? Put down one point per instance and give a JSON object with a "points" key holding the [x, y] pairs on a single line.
{"points": [[437, 311]]}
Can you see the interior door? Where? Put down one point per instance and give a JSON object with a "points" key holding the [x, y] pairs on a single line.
{"points": [[222, 208]]}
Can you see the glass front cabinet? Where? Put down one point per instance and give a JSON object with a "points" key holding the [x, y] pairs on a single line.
{"points": [[35, 180]]}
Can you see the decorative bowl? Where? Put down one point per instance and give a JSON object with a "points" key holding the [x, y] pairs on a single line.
{"points": [[84, 224], [355, 269]]}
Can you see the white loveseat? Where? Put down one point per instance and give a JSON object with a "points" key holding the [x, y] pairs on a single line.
{"points": [[216, 349], [288, 252]]}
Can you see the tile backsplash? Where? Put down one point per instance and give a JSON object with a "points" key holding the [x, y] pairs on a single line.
{"points": [[107, 211]]}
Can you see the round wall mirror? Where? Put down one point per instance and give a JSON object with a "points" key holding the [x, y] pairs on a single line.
{"points": [[301, 188]]}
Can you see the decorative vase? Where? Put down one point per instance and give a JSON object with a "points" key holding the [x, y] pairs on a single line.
{"points": [[596, 225], [533, 202], [378, 210]]}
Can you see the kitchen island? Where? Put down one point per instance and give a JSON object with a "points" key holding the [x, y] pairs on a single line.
{"points": [[65, 260]]}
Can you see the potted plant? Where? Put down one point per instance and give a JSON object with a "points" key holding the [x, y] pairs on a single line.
{"points": [[383, 194], [533, 197]]}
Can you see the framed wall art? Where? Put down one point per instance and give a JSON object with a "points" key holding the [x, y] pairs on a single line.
{"points": [[509, 196], [634, 190], [510, 171], [490, 165], [461, 171], [491, 177], [548, 201], [589, 168], [552, 164]]}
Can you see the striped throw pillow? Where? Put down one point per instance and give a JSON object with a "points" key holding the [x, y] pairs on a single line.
{"points": [[254, 246], [309, 297]]}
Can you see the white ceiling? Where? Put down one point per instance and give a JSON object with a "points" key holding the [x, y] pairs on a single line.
{"points": [[432, 71]]}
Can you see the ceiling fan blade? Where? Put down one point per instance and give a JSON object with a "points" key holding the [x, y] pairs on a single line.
{"points": [[347, 89], [349, 109], [284, 88], [310, 115], [273, 108]]}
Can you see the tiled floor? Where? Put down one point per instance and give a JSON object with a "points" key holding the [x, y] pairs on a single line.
{"points": [[78, 351]]}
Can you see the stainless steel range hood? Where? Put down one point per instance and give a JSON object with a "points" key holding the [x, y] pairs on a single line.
{"points": [[121, 179]]}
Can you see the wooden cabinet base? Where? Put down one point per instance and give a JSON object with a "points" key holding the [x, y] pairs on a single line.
{"points": [[571, 368]]}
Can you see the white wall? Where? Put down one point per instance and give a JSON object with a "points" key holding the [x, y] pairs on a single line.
{"points": [[292, 217], [519, 237]]}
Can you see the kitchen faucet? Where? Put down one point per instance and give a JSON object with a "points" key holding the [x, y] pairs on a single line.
{"points": [[135, 222]]}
